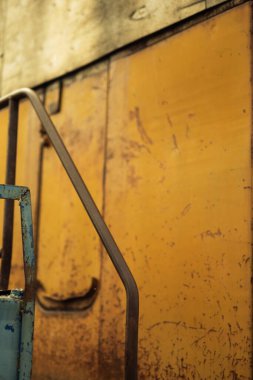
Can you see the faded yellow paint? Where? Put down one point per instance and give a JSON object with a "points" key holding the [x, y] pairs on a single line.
{"points": [[70, 246], [174, 122], [69, 250], [178, 200]]}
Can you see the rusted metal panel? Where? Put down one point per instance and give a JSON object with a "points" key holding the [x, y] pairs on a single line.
{"points": [[178, 156], [94, 28], [131, 289]]}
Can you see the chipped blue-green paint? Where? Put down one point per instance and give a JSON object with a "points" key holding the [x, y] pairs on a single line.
{"points": [[10, 329], [17, 308]]}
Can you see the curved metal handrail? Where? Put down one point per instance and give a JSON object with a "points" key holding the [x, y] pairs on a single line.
{"points": [[132, 308]]}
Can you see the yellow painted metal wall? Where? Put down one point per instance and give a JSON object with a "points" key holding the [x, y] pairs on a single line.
{"points": [[178, 166], [162, 137], [69, 251]]}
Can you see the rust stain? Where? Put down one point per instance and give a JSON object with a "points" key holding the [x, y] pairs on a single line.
{"points": [[135, 145], [174, 140], [211, 234], [203, 336], [161, 356], [133, 179], [132, 149], [169, 121]]}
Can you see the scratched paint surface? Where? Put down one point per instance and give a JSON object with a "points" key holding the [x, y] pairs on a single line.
{"points": [[76, 250], [178, 199], [69, 251]]}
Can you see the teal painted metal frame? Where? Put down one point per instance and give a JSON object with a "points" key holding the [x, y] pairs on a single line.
{"points": [[22, 194]]}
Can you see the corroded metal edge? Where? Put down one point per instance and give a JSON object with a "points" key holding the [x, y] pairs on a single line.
{"points": [[22, 194]]}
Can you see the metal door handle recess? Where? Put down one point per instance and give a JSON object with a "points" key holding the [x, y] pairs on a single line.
{"points": [[76, 303], [132, 307]]}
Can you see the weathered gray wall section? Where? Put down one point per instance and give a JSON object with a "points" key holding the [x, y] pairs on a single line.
{"points": [[43, 39]]}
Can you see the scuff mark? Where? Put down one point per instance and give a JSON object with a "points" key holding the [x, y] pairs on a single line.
{"points": [[211, 234], [174, 139], [178, 324], [186, 209], [169, 121], [203, 336], [135, 114]]}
